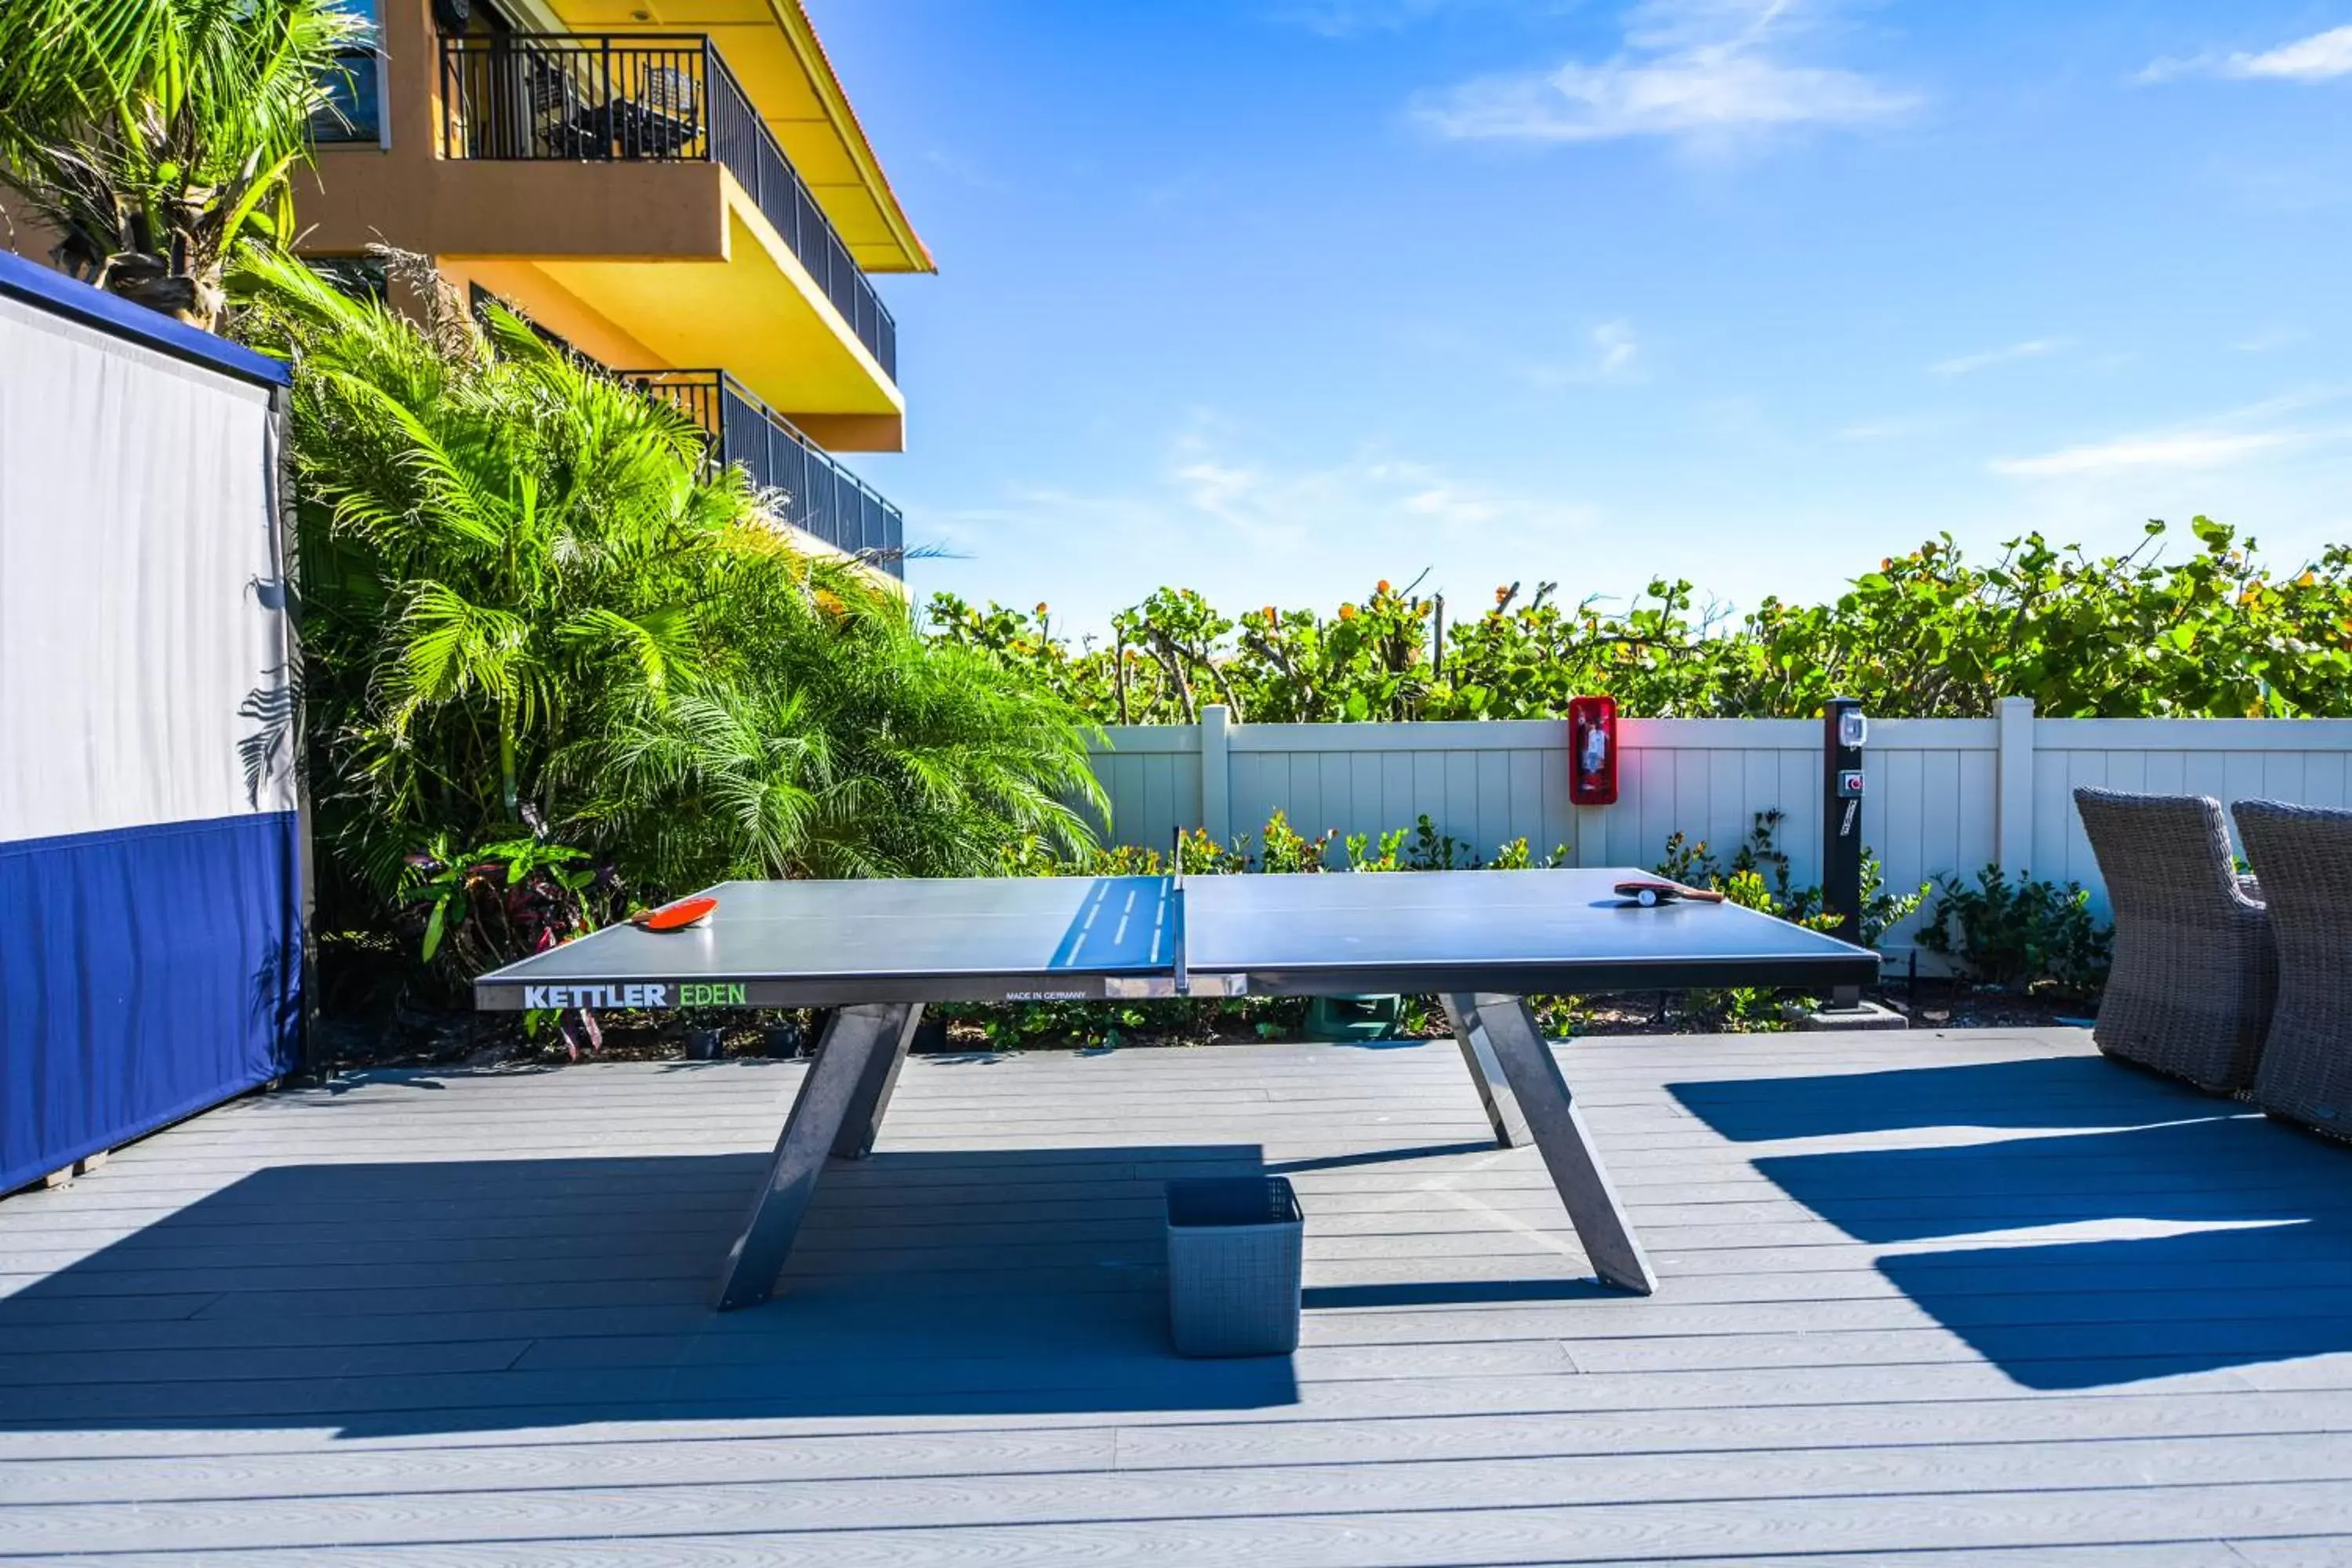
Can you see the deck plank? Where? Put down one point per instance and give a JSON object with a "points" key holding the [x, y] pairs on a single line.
{"points": [[1952, 1297]]}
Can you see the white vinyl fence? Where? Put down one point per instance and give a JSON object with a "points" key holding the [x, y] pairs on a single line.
{"points": [[1944, 796]]}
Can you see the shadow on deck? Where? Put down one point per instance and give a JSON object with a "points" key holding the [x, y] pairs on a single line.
{"points": [[558, 1291], [2168, 1232]]}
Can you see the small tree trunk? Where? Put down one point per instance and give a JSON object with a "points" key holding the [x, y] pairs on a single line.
{"points": [[1173, 664], [1224, 684]]}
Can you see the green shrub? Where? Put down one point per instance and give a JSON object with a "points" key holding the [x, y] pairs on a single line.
{"points": [[1757, 877], [533, 614], [2029, 935]]}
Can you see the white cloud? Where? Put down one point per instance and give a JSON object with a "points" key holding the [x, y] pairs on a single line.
{"points": [[2315, 58], [2270, 340], [2323, 57], [2217, 440], [1615, 355], [965, 171], [1967, 364], [1314, 507], [2185, 449], [1246, 527], [1894, 427], [1616, 344], [1701, 71]]}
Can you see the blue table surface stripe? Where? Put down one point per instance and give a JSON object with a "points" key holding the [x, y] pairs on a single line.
{"points": [[1125, 922]]}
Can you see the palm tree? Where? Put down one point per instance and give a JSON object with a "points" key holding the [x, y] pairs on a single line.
{"points": [[527, 602], [845, 745], [153, 135]]}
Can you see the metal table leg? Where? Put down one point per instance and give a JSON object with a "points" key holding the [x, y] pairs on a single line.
{"points": [[1502, 1107], [863, 1124], [845, 1074], [1511, 1032]]}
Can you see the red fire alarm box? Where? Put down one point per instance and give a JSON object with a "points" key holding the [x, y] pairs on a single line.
{"points": [[1592, 750]]}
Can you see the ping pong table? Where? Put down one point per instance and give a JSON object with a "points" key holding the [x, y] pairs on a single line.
{"points": [[876, 951]]}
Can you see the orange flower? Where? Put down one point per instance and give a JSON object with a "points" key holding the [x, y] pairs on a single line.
{"points": [[1269, 614], [1502, 594], [829, 602], [1346, 612], [1041, 609], [1381, 586], [2307, 579]]}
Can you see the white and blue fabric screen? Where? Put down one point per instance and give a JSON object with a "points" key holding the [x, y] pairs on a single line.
{"points": [[149, 914]]}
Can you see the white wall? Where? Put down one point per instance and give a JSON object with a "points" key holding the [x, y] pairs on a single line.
{"points": [[1945, 795]]}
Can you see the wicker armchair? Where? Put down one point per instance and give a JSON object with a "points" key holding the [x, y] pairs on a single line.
{"points": [[2304, 856], [2195, 971]]}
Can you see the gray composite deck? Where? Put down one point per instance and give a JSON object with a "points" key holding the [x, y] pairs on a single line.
{"points": [[1977, 1298]]}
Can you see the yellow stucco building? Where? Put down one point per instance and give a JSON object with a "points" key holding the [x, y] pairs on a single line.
{"points": [[676, 189]]}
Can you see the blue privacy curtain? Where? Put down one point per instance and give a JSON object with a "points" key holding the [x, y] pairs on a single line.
{"points": [[149, 912], [151, 973]]}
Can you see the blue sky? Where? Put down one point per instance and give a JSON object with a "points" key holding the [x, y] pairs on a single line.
{"points": [[1274, 297]]}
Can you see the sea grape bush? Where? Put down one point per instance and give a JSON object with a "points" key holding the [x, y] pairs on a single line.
{"points": [[1758, 877], [1932, 634], [2028, 934]]}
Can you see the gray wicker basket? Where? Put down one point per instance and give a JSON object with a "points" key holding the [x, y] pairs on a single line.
{"points": [[1235, 1250], [2195, 970], [2304, 856]]}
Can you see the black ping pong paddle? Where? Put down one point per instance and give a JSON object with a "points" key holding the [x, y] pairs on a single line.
{"points": [[1650, 892]]}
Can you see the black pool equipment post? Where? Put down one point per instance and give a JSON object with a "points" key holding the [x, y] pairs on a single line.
{"points": [[1843, 730]]}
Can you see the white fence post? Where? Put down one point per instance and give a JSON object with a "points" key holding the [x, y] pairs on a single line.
{"points": [[1216, 774], [2013, 820]]}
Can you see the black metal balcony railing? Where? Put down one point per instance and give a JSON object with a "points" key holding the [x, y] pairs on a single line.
{"points": [[823, 498], [638, 97]]}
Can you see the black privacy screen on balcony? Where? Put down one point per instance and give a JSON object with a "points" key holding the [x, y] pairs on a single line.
{"points": [[581, 97]]}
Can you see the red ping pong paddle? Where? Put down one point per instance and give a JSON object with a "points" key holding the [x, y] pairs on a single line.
{"points": [[679, 915], [1651, 892]]}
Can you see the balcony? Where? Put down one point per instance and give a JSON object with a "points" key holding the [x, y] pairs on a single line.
{"points": [[641, 98], [826, 500]]}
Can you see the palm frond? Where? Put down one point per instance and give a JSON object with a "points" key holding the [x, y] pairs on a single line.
{"points": [[523, 588]]}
